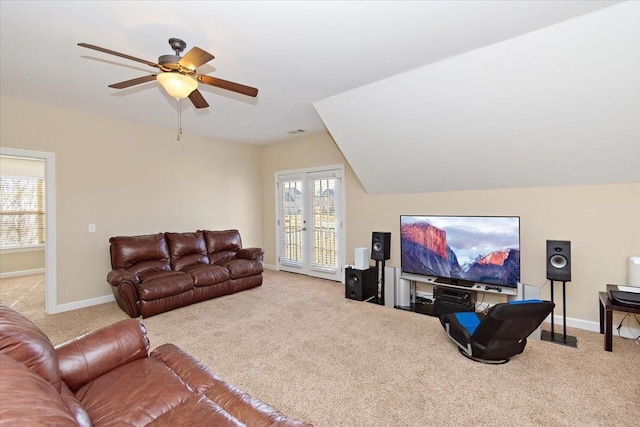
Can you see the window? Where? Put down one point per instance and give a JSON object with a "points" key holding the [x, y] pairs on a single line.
{"points": [[22, 213]]}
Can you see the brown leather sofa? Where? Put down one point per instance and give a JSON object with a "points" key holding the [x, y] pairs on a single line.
{"points": [[108, 378], [160, 272]]}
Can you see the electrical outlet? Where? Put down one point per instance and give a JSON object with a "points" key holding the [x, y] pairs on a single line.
{"points": [[91, 228]]}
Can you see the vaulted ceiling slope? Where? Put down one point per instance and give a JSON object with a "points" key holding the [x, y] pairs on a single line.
{"points": [[557, 106]]}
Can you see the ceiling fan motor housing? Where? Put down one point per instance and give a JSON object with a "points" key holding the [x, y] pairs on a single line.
{"points": [[172, 62], [169, 61]]}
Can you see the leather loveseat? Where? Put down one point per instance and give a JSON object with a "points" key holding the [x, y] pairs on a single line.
{"points": [[108, 378], [160, 272]]}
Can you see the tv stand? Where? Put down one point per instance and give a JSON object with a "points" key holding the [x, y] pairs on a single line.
{"points": [[462, 284]]}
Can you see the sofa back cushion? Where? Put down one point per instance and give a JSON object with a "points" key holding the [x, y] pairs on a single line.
{"points": [[222, 245], [186, 249], [27, 399], [23, 341], [140, 254]]}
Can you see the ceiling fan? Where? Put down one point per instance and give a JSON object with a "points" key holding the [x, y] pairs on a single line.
{"points": [[178, 74]]}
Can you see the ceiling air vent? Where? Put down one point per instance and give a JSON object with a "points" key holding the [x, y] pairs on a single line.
{"points": [[294, 132]]}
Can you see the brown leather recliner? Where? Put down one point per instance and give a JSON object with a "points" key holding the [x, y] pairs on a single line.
{"points": [[159, 272], [108, 377]]}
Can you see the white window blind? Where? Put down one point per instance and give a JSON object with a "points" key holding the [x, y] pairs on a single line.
{"points": [[22, 211]]}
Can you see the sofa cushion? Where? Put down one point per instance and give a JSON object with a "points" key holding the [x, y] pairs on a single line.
{"points": [[222, 245], [161, 284], [140, 254], [186, 249], [249, 410], [23, 341], [26, 394], [239, 268], [207, 274], [137, 392], [197, 411]]}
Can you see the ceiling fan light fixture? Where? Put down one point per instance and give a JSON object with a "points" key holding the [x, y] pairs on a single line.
{"points": [[177, 85]]}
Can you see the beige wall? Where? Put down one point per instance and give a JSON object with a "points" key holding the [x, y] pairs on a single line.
{"points": [[129, 178], [12, 261], [601, 221]]}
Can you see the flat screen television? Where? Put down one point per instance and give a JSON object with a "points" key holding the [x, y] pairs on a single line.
{"points": [[462, 250]]}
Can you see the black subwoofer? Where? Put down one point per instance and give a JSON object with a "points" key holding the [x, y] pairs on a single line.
{"points": [[380, 245], [360, 284], [559, 260]]}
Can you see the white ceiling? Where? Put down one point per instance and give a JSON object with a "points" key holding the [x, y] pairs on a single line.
{"points": [[341, 59], [558, 106]]}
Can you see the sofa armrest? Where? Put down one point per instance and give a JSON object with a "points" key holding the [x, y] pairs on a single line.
{"points": [[94, 354], [118, 277], [253, 254], [124, 285]]}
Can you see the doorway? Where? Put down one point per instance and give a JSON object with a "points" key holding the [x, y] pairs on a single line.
{"points": [[51, 301], [310, 225]]}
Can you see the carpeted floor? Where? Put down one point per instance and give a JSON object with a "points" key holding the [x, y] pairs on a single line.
{"points": [[299, 345]]}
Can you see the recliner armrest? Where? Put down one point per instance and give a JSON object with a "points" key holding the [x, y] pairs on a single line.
{"points": [[94, 354], [117, 277], [254, 254], [124, 285]]}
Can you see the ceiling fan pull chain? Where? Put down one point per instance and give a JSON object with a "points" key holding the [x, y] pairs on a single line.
{"points": [[179, 119]]}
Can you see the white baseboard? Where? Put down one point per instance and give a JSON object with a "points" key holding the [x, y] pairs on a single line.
{"points": [[575, 323], [627, 330], [630, 328], [107, 298], [84, 303], [22, 273]]}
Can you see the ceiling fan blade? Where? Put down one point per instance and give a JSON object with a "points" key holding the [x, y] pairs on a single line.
{"points": [[195, 58], [197, 99], [133, 82], [225, 84], [121, 55]]}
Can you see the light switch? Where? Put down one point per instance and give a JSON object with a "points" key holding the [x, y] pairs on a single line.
{"points": [[91, 228]]}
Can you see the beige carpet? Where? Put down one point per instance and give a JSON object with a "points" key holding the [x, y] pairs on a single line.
{"points": [[298, 344]]}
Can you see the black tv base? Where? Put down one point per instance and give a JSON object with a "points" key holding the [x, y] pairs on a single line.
{"points": [[422, 306], [438, 307]]}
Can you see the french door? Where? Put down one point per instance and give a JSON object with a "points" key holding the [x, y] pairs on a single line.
{"points": [[310, 223]]}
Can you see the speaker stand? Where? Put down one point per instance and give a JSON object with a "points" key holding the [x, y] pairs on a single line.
{"points": [[550, 335], [379, 280]]}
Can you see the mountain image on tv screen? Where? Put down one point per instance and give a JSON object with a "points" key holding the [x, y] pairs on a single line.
{"points": [[478, 249]]}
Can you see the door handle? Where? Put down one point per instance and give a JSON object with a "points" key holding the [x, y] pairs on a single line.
{"points": [[304, 228]]}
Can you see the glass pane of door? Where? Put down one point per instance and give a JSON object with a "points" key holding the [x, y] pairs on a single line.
{"points": [[291, 224], [324, 225]]}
